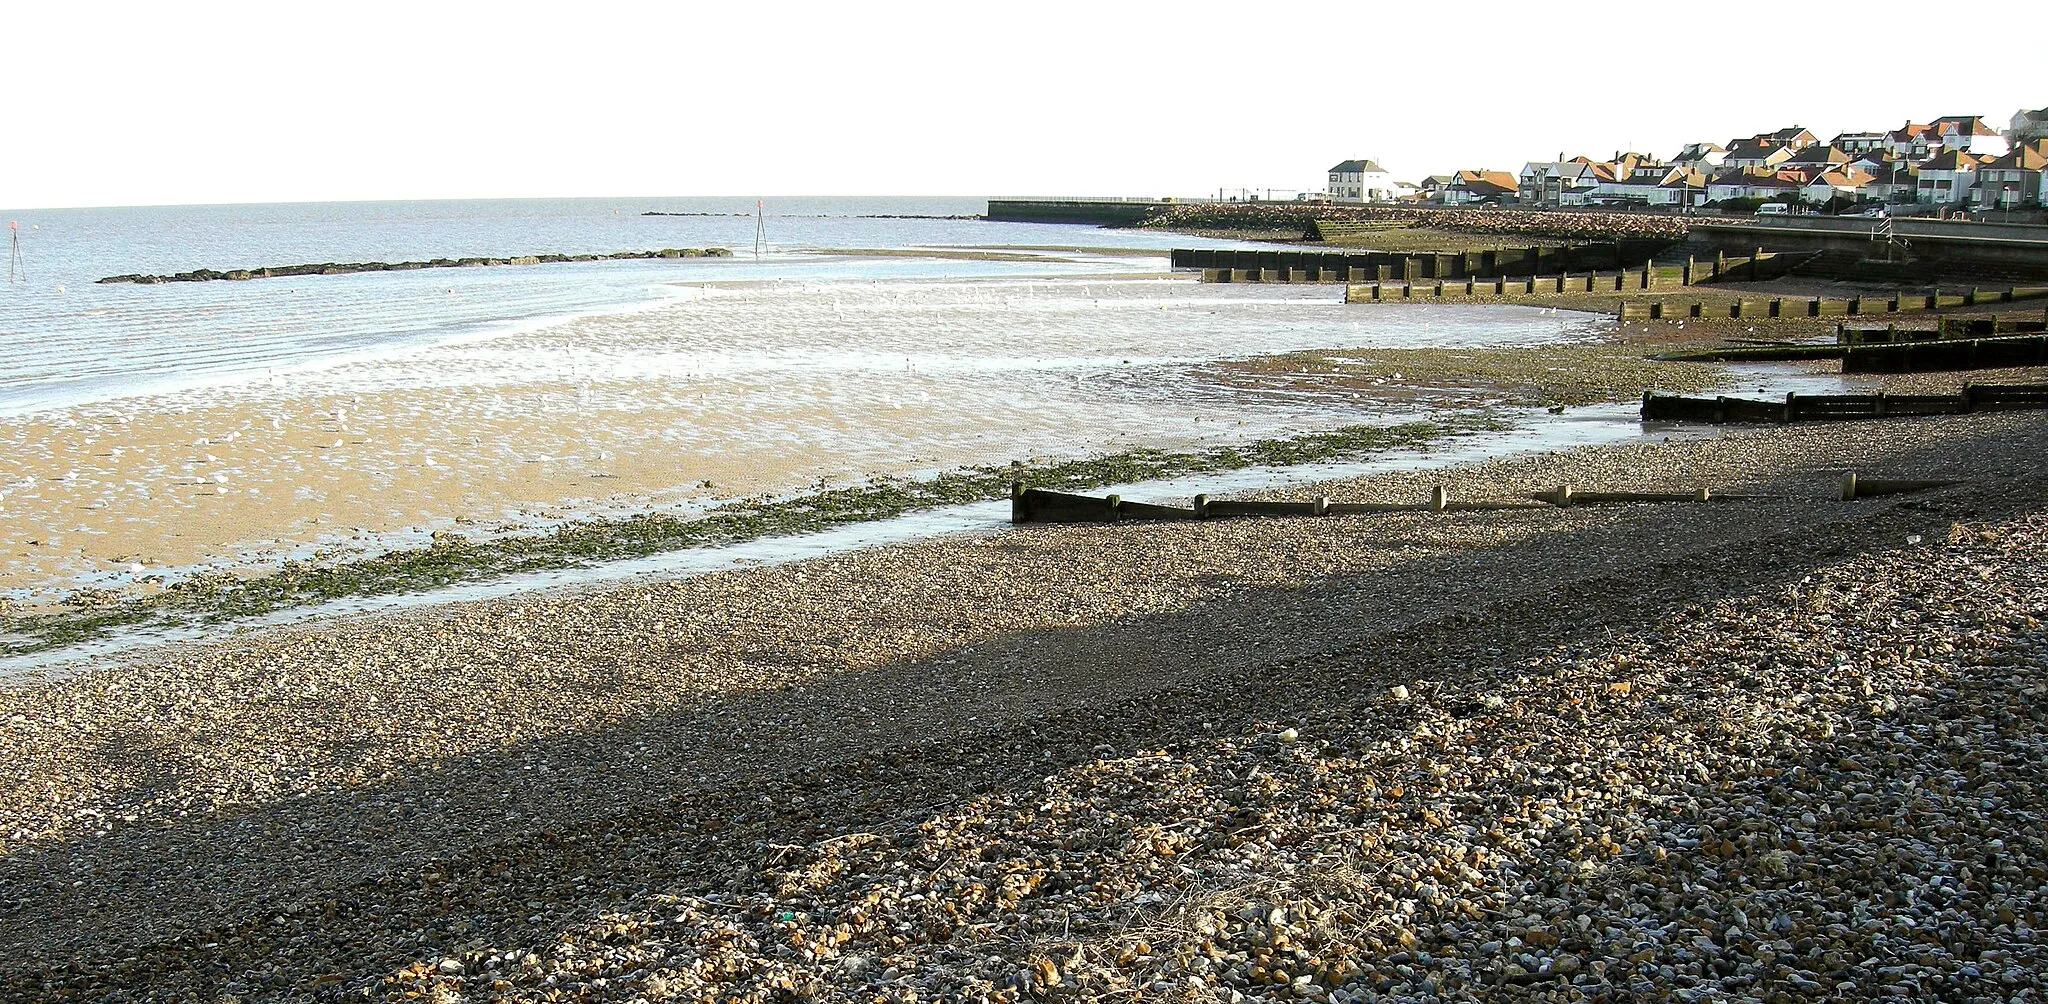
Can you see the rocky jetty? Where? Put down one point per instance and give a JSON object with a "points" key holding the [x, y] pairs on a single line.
{"points": [[344, 268]]}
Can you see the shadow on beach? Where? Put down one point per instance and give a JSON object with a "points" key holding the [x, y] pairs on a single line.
{"points": [[345, 885]]}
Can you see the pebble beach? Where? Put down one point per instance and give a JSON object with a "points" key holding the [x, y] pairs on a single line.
{"points": [[1772, 747]]}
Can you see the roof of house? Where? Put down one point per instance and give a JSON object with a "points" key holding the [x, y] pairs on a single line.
{"points": [[1683, 177], [1789, 134], [1843, 177], [1953, 160], [1966, 125], [1906, 132], [1702, 148], [1358, 167], [1820, 155], [1755, 148], [1487, 182], [2024, 158]]}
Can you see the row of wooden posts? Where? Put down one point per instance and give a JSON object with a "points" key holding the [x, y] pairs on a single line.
{"points": [[1034, 505], [1798, 407], [1823, 306], [1411, 282], [1969, 326]]}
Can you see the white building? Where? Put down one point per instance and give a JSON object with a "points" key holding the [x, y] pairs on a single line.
{"points": [[1947, 179], [1361, 181], [1838, 183], [1969, 134]]}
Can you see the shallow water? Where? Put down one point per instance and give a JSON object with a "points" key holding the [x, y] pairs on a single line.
{"points": [[64, 339]]}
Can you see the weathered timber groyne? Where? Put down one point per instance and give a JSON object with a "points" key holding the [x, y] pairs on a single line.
{"points": [[344, 268], [1842, 407], [1034, 505]]}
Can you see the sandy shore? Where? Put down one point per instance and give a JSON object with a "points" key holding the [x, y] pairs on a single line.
{"points": [[1775, 749], [744, 391]]}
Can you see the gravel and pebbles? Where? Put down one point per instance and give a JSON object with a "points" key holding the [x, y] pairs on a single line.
{"points": [[1777, 749]]}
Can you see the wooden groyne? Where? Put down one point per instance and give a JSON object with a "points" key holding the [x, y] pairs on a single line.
{"points": [[344, 268], [1032, 505], [1842, 407], [1827, 306], [1264, 265], [1927, 356]]}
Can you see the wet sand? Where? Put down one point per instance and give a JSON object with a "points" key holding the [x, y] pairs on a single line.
{"points": [[751, 390]]}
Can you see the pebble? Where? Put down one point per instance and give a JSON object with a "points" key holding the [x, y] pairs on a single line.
{"points": [[1747, 751]]}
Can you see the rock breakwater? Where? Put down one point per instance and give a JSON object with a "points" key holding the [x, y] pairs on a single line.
{"points": [[344, 268], [1305, 216]]}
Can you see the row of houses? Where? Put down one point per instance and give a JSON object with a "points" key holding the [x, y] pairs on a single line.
{"points": [[1953, 161]]}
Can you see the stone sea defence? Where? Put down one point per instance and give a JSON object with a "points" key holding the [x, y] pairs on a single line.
{"points": [[342, 268], [1312, 216]]}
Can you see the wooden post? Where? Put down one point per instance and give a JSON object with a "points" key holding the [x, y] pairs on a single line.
{"points": [[1439, 498], [1113, 502], [1756, 262], [1791, 407], [1018, 514], [1322, 505], [1685, 274], [1201, 507], [1650, 275], [1720, 264]]}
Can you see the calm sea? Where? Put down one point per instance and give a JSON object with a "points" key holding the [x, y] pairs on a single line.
{"points": [[66, 340]]}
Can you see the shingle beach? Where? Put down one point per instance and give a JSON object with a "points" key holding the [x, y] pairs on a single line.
{"points": [[1775, 748]]}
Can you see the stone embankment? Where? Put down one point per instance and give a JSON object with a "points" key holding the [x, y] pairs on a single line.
{"points": [[1772, 751], [1260, 216], [344, 268]]}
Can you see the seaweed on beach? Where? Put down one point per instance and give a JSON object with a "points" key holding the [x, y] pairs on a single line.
{"points": [[86, 615]]}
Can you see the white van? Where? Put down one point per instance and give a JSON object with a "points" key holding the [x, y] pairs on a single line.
{"points": [[1774, 209]]}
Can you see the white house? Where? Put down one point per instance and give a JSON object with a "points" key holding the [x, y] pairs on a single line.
{"points": [[1680, 186], [1756, 154], [1837, 183], [1361, 181], [1947, 179], [1969, 134], [1859, 142], [1911, 141]]}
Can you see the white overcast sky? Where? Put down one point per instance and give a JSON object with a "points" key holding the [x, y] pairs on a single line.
{"points": [[174, 103]]}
